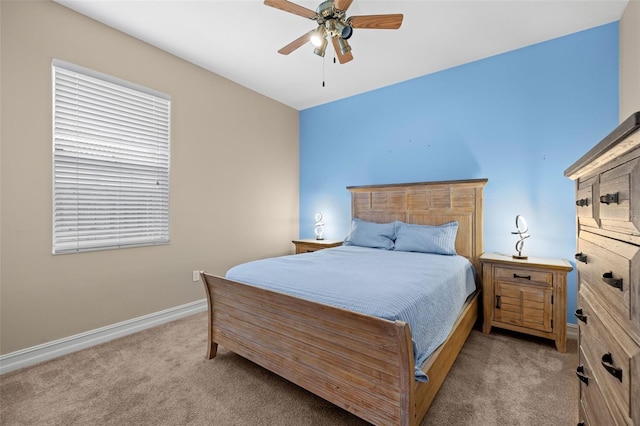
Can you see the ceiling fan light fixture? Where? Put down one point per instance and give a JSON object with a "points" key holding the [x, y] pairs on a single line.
{"points": [[344, 46], [318, 38], [319, 50], [345, 30]]}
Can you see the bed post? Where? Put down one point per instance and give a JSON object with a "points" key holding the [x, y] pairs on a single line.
{"points": [[406, 374], [212, 346]]}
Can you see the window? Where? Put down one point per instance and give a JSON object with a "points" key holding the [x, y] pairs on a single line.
{"points": [[110, 162]]}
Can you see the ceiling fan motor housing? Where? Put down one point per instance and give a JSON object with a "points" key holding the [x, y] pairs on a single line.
{"points": [[334, 20]]}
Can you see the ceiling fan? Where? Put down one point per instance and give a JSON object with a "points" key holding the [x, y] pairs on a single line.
{"points": [[333, 24]]}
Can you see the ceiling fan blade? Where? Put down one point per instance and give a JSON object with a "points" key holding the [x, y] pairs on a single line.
{"points": [[342, 4], [287, 6], [341, 58], [381, 22], [299, 42]]}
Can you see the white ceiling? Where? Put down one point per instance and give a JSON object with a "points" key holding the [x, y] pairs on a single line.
{"points": [[239, 39]]}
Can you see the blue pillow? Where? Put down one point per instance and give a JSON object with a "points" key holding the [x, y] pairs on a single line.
{"points": [[370, 234], [426, 238]]}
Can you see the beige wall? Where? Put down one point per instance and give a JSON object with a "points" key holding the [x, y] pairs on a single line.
{"points": [[630, 60], [234, 181]]}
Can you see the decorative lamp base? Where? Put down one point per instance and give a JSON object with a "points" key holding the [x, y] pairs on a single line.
{"points": [[516, 256]]}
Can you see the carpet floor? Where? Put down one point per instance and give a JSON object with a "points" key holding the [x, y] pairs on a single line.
{"points": [[160, 377]]}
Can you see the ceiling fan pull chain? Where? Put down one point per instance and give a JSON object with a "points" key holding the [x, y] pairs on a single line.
{"points": [[323, 71]]}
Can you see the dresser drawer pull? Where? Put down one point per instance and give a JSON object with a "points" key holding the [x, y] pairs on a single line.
{"points": [[526, 277], [580, 257], [607, 363], [580, 315], [607, 277], [583, 202], [497, 302], [580, 373], [609, 198]]}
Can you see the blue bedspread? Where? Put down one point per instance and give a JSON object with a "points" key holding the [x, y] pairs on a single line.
{"points": [[425, 290]]}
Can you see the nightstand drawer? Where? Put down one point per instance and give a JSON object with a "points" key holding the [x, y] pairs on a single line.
{"points": [[523, 276]]}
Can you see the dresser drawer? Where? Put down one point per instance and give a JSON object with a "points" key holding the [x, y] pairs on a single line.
{"points": [[611, 269], [523, 276], [613, 357], [586, 206], [594, 410], [619, 198], [584, 418]]}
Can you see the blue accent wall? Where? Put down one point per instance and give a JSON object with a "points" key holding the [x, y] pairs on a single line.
{"points": [[519, 119]]}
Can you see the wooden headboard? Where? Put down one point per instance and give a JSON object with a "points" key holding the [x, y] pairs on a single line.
{"points": [[427, 203]]}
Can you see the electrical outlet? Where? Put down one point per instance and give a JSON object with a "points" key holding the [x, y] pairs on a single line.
{"points": [[196, 276]]}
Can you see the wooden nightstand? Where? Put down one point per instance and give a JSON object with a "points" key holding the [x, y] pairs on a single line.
{"points": [[526, 295], [311, 244]]}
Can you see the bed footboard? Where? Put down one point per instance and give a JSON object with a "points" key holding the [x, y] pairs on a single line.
{"points": [[360, 363]]}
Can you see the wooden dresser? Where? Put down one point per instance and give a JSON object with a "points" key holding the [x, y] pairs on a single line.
{"points": [[608, 259]]}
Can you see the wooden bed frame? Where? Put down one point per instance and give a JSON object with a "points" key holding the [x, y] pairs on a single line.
{"points": [[360, 363]]}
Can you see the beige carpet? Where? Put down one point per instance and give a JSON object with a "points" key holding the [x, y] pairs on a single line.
{"points": [[161, 377]]}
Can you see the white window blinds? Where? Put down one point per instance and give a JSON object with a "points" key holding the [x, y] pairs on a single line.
{"points": [[110, 162]]}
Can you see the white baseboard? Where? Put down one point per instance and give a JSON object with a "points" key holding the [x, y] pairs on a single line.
{"points": [[46, 351], [572, 331]]}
